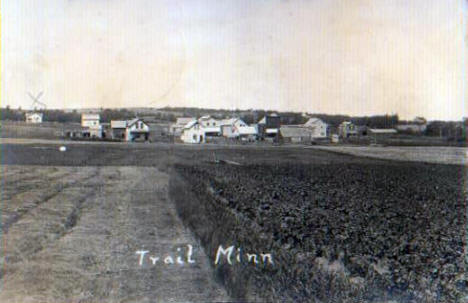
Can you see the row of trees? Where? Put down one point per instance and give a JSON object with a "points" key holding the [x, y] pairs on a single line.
{"points": [[65, 116]]}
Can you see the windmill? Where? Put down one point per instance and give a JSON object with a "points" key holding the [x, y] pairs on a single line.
{"points": [[36, 101]]}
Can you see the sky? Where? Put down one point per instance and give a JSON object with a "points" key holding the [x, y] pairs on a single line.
{"points": [[355, 57]]}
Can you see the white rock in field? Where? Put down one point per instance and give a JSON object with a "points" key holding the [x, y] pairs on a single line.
{"points": [[62, 148]]}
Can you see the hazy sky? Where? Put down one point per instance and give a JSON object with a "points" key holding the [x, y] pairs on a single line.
{"points": [[356, 57]]}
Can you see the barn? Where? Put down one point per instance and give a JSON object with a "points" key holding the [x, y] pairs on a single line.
{"points": [[295, 134], [318, 127], [378, 135]]}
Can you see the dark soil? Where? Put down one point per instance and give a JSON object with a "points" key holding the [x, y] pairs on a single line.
{"points": [[399, 226]]}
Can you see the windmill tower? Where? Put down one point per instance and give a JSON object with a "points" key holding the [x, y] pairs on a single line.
{"points": [[35, 116], [36, 101]]}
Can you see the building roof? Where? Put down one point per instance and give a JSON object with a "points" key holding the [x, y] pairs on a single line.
{"points": [[34, 113], [247, 130], [288, 132], [118, 124], [229, 121], [313, 121], [271, 131], [382, 130], [190, 124], [206, 117], [133, 121], [89, 116], [184, 120]]}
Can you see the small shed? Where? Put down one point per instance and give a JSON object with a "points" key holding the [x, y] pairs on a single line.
{"points": [[34, 117], [378, 134]]}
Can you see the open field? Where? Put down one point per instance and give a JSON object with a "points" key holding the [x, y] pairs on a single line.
{"points": [[386, 230], [340, 227], [430, 154], [70, 234]]}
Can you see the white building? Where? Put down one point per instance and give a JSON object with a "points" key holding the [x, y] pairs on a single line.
{"points": [[130, 130], [417, 126], [230, 127], [90, 120], [318, 127], [247, 133], [193, 132], [208, 121], [34, 117], [347, 129]]}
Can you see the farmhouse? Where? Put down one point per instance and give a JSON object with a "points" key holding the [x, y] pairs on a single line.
{"points": [[208, 121], [176, 128], [230, 127], [318, 127], [34, 117], [131, 130], [193, 133], [91, 126]]}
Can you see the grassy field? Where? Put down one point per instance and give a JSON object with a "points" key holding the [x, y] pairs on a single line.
{"points": [[342, 228]]}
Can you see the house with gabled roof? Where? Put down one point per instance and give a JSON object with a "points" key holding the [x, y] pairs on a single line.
{"points": [[318, 127], [130, 130], [176, 128]]}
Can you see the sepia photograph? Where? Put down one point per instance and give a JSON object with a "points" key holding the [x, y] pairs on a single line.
{"points": [[233, 151]]}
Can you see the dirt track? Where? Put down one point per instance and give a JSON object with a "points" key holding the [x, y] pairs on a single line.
{"points": [[70, 234]]}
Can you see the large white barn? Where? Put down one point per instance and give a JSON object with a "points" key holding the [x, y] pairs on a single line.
{"points": [[318, 127]]}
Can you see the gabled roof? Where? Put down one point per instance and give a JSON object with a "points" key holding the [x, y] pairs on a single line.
{"points": [[118, 124], [206, 117], [184, 120], [191, 124], [313, 121], [229, 121], [133, 121], [382, 130], [89, 116], [34, 113]]}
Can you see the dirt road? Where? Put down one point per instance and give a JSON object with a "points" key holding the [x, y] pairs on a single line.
{"points": [[70, 234]]}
